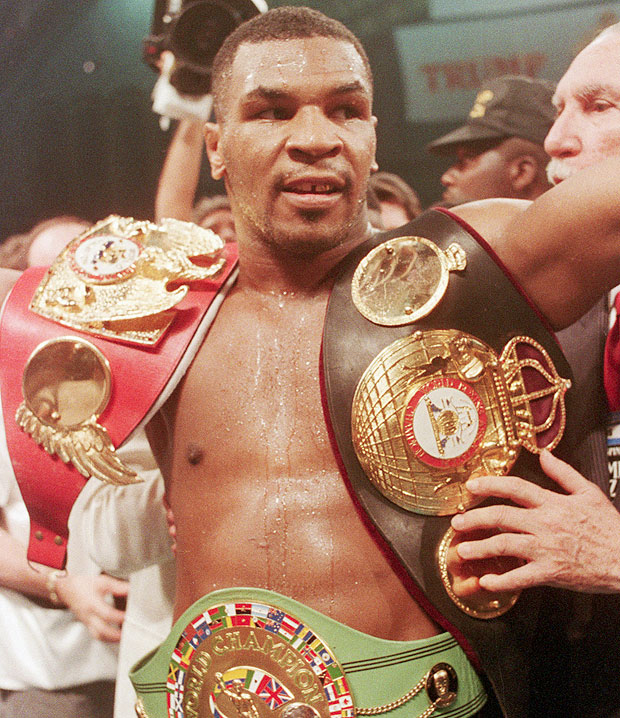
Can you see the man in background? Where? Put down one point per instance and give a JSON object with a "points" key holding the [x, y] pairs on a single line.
{"points": [[501, 153], [570, 539], [499, 150], [585, 134], [59, 629], [214, 213], [398, 202]]}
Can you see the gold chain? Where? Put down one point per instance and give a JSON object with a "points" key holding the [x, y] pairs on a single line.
{"points": [[139, 706], [377, 710], [386, 708]]}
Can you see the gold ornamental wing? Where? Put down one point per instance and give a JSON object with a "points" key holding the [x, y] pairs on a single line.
{"points": [[185, 237], [87, 448]]}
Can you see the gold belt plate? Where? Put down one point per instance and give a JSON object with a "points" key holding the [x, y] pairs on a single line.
{"points": [[122, 278], [440, 406], [66, 386], [252, 660]]}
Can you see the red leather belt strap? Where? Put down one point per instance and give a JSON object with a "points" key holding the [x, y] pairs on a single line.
{"points": [[49, 487]]}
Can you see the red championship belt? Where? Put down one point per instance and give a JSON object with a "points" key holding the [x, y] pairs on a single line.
{"points": [[138, 378]]}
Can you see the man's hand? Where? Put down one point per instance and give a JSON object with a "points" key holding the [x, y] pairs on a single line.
{"points": [[465, 575], [172, 528], [570, 540], [88, 598]]}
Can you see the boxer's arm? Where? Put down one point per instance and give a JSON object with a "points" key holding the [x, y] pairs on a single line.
{"points": [[564, 248], [180, 173]]}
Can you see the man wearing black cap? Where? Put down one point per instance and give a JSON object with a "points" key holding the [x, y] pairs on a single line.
{"points": [[499, 149]]}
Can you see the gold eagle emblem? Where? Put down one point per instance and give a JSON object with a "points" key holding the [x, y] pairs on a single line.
{"points": [[121, 278]]}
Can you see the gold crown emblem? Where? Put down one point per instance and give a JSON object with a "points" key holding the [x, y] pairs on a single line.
{"points": [[536, 393]]}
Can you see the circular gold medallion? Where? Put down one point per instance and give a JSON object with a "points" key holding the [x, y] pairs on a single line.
{"points": [[403, 279], [429, 412], [459, 579], [104, 258], [66, 382]]}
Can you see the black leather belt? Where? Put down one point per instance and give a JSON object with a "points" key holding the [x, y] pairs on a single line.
{"points": [[481, 301]]}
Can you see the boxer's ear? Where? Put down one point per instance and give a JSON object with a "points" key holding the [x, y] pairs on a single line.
{"points": [[212, 142]]}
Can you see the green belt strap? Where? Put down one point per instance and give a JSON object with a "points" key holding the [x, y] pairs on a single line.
{"points": [[378, 671]]}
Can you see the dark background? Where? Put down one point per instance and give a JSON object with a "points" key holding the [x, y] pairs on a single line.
{"points": [[77, 133]]}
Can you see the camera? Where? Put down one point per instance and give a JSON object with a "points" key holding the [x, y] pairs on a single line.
{"points": [[193, 31]]}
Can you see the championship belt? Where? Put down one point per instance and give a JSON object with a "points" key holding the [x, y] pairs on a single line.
{"points": [[437, 369], [90, 350], [252, 653]]}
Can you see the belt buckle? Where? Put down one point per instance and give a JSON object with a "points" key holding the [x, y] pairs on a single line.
{"points": [[440, 406], [245, 660], [114, 280]]}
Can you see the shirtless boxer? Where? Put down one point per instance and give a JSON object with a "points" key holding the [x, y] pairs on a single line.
{"points": [[251, 477], [254, 485], [257, 496]]}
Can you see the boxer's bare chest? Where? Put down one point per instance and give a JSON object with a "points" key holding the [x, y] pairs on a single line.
{"points": [[254, 485]]}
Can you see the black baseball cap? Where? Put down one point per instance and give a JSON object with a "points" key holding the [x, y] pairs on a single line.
{"points": [[506, 106]]}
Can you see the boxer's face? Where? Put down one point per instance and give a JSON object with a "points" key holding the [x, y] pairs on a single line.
{"points": [[587, 128], [296, 144]]}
